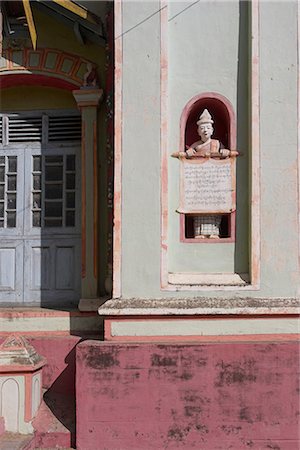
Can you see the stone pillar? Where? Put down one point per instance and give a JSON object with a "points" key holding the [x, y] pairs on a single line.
{"points": [[20, 384], [88, 100]]}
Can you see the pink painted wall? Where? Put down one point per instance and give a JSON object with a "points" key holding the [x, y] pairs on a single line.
{"points": [[203, 396], [59, 372]]}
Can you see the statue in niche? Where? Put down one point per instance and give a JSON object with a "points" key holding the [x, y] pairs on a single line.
{"points": [[90, 78], [207, 226], [207, 184], [206, 147]]}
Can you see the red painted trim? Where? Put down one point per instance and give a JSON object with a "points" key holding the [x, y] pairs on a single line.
{"points": [[26, 79], [107, 329], [164, 68], [28, 397]]}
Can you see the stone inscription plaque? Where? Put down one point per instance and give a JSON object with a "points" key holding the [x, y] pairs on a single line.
{"points": [[207, 186]]}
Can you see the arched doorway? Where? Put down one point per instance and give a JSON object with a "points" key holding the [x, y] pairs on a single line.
{"points": [[40, 197]]}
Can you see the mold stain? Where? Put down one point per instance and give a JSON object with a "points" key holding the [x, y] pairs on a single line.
{"points": [[201, 428], [185, 376], [201, 362], [192, 396], [273, 446], [176, 434], [236, 373], [97, 360], [231, 429], [163, 361], [191, 411], [246, 415]]}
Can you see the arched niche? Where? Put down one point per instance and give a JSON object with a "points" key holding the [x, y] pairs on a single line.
{"points": [[10, 400], [224, 125], [223, 116]]}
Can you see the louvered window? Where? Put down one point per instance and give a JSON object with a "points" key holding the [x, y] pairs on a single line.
{"points": [[26, 129], [64, 128], [43, 128]]}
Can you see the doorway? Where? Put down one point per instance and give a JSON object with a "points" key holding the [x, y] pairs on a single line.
{"points": [[40, 239]]}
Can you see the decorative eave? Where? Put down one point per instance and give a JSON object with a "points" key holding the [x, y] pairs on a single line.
{"points": [[86, 26]]}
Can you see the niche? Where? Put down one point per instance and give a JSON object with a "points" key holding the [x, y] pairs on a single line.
{"points": [[224, 126]]}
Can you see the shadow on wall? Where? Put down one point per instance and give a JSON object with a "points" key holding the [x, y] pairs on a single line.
{"points": [[243, 172]]}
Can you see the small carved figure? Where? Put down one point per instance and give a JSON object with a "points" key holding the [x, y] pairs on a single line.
{"points": [[206, 147], [90, 78], [207, 226]]}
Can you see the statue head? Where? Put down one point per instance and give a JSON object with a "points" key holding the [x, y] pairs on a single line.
{"points": [[205, 128]]}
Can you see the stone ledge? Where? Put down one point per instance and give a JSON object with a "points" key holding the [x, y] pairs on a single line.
{"points": [[199, 306]]}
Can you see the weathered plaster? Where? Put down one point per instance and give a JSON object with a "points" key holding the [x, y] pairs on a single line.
{"points": [[164, 395], [200, 305], [274, 87]]}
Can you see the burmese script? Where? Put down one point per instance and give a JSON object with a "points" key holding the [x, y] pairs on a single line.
{"points": [[206, 186]]}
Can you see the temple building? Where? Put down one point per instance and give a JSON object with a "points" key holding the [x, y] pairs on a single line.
{"points": [[149, 224]]}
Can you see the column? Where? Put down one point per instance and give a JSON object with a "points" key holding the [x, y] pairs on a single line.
{"points": [[88, 100]]}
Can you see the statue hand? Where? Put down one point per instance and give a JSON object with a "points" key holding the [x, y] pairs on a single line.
{"points": [[224, 152], [191, 151]]}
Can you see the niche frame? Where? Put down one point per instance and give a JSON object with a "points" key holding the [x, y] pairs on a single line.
{"points": [[225, 131]]}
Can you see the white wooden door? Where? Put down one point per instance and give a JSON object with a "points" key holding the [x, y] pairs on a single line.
{"points": [[40, 241]]}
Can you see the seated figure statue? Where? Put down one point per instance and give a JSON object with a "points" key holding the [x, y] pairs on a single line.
{"points": [[207, 226], [206, 147]]}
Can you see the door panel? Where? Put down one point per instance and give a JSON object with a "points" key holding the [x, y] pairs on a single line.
{"points": [[40, 241], [65, 268], [40, 262], [52, 272], [11, 270]]}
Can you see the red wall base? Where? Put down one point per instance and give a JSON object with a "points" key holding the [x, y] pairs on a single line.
{"points": [[210, 396]]}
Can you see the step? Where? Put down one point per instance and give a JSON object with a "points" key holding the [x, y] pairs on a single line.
{"points": [[54, 425], [13, 441]]}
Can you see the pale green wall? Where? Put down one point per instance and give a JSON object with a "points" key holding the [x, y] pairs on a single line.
{"points": [[141, 154], [206, 44], [208, 51], [278, 119]]}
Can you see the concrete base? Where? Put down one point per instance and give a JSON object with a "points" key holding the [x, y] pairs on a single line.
{"points": [[187, 395]]}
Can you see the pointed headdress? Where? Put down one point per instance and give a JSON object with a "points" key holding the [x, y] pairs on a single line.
{"points": [[205, 117]]}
